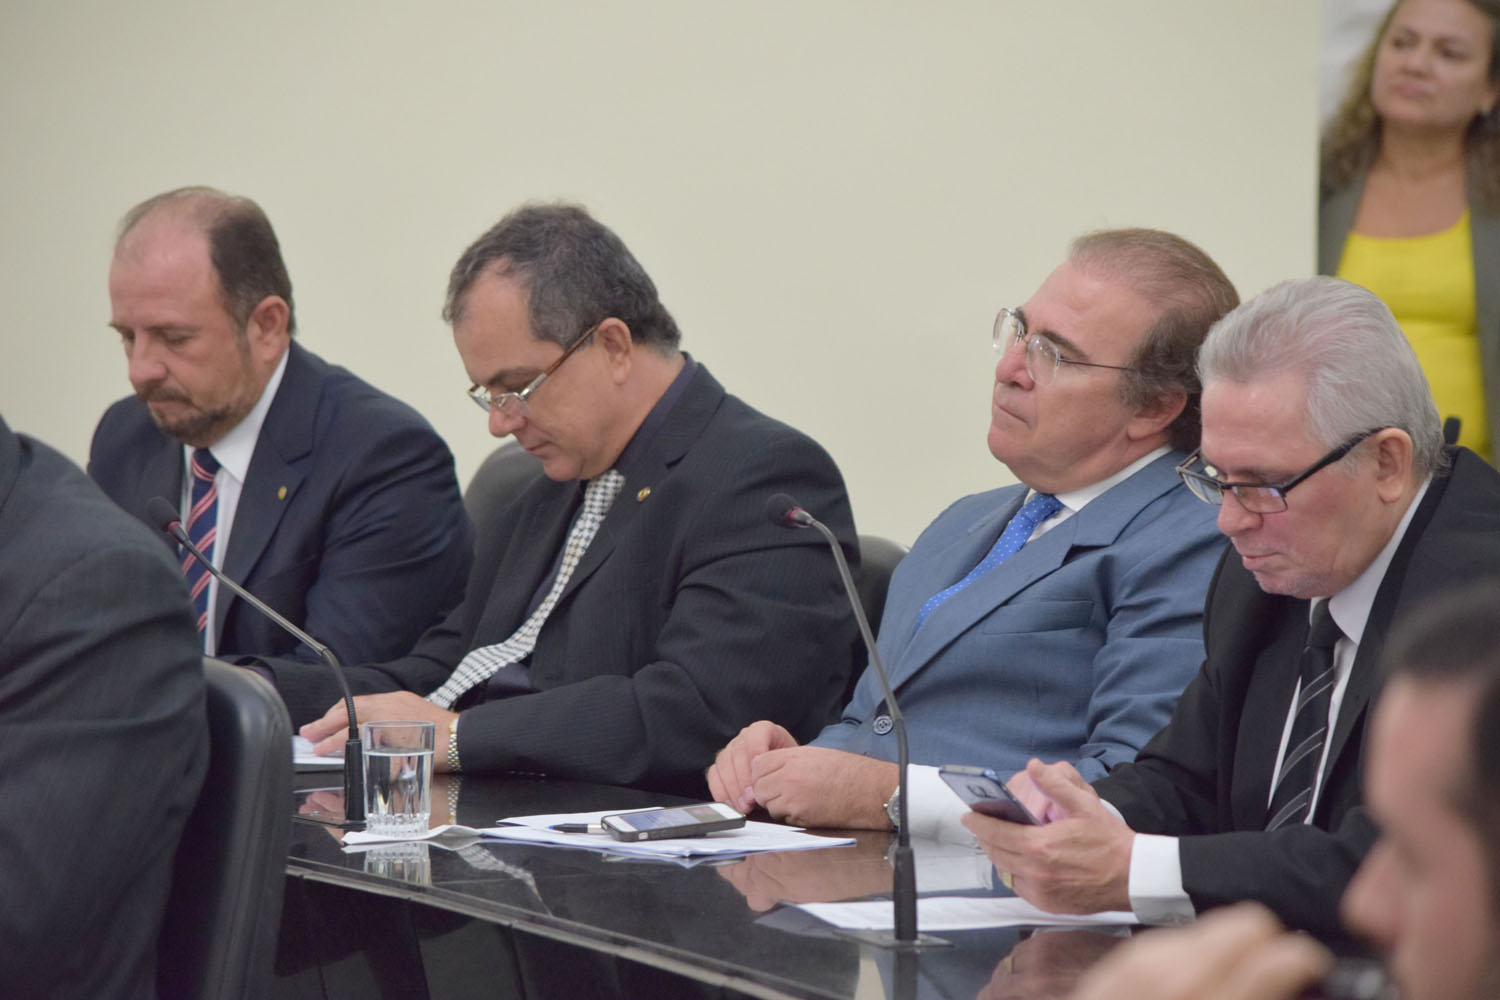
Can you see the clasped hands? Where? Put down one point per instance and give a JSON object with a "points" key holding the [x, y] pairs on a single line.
{"points": [[804, 786]]}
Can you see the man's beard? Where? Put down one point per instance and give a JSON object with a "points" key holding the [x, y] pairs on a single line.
{"points": [[195, 427]]}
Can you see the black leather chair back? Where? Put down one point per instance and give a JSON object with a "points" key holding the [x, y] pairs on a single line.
{"points": [[877, 561], [499, 478], [218, 937]]}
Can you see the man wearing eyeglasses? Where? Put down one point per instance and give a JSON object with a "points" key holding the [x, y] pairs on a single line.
{"points": [[632, 609], [1324, 455], [1060, 617], [330, 500]]}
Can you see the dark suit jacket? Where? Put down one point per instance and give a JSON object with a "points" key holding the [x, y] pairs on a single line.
{"points": [[350, 522], [103, 737], [689, 616], [1206, 777]]}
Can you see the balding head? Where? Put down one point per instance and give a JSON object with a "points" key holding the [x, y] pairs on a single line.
{"points": [[242, 246]]}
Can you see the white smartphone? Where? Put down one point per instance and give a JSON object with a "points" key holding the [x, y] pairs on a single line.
{"points": [[675, 821]]}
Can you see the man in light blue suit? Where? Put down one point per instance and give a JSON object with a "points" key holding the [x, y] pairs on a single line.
{"points": [[1059, 618]]}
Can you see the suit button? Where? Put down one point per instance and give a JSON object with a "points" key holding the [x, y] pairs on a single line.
{"points": [[883, 724]]}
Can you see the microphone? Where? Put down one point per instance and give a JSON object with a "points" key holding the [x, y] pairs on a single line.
{"points": [[787, 513], [166, 517]]}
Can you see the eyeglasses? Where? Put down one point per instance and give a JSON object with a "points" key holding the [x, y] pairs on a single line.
{"points": [[1257, 498], [1042, 357], [513, 404]]}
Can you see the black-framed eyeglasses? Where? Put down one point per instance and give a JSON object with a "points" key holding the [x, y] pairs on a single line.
{"points": [[514, 404], [1042, 356], [1257, 498]]}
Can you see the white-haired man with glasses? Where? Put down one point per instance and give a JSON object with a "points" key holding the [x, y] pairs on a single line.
{"points": [[1060, 617], [633, 608], [1324, 455]]}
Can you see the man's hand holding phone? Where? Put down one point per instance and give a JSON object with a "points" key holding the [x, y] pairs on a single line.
{"points": [[986, 792]]}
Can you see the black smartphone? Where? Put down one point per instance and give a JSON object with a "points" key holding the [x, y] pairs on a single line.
{"points": [[679, 821], [984, 791]]}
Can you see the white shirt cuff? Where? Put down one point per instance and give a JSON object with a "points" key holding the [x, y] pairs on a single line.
{"points": [[935, 809], [1156, 893]]}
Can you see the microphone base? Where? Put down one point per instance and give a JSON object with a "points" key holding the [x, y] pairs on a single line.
{"points": [[888, 940]]}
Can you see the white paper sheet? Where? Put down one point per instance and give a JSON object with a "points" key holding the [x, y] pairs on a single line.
{"points": [[752, 838], [958, 913], [304, 758]]}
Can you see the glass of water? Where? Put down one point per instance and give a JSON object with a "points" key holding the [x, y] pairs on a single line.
{"points": [[398, 777]]}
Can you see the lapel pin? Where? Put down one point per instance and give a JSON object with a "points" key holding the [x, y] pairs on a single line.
{"points": [[281, 493], [645, 491]]}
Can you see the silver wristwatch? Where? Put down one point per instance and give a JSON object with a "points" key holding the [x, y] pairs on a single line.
{"points": [[893, 808]]}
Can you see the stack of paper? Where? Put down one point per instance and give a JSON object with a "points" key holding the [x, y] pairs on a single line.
{"points": [[752, 838]]}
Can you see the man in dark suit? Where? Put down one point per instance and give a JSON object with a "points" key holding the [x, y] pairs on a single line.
{"points": [[329, 500], [1428, 893], [1343, 508], [632, 609], [104, 740]]}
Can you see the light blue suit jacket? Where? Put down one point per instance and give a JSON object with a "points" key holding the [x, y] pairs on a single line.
{"points": [[1075, 648]]}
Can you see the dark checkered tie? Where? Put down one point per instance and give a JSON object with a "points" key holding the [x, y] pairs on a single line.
{"points": [[1293, 788], [482, 663], [202, 527]]}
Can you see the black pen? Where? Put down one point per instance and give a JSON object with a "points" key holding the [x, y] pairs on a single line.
{"points": [[577, 827]]}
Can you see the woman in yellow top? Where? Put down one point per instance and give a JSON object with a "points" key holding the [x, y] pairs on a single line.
{"points": [[1411, 196]]}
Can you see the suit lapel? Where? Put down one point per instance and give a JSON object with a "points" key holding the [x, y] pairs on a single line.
{"points": [[935, 569], [530, 553], [1364, 675], [963, 610], [682, 426], [1099, 524], [1278, 633], [272, 481]]}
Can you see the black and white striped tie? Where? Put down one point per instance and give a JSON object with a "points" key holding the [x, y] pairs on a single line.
{"points": [[1292, 796]]}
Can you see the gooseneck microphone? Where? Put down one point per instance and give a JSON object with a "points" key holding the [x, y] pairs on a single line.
{"points": [[787, 513], [167, 518]]}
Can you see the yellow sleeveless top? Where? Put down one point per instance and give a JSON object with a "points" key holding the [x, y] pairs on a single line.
{"points": [[1428, 282]]}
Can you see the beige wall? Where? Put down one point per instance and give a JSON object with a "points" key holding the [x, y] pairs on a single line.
{"points": [[833, 197]]}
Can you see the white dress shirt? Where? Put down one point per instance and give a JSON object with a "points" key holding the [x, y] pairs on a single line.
{"points": [[233, 452]]}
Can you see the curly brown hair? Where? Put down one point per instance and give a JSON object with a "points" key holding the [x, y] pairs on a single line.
{"points": [[1352, 137]]}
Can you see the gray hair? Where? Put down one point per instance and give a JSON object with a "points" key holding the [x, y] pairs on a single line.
{"points": [[577, 272], [1358, 368]]}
